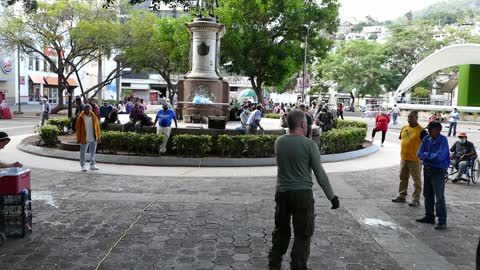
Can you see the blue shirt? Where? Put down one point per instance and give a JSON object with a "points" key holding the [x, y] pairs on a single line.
{"points": [[435, 153], [104, 111], [165, 118], [255, 115]]}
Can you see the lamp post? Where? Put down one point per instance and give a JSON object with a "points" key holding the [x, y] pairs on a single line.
{"points": [[305, 61], [19, 110]]}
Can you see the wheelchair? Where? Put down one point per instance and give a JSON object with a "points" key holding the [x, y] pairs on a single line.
{"points": [[472, 171]]}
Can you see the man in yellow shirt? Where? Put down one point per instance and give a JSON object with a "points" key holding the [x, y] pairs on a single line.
{"points": [[411, 138]]}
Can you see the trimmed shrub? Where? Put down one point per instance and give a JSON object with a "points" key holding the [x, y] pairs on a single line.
{"points": [[342, 140], [341, 124], [138, 143], [192, 145], [272, 115], [247, 145], [49, 135], [61, 123]]}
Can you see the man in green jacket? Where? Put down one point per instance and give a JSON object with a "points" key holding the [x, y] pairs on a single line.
{"points": [[296, 157]]}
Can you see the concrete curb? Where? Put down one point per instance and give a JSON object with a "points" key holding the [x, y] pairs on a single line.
{"points": [[183, 162]]}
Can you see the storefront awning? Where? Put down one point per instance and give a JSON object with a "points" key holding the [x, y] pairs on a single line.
{"points": [[71, 82], [38, 79]]}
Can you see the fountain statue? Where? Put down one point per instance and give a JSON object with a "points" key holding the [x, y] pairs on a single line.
{"points": [[203, 95]]}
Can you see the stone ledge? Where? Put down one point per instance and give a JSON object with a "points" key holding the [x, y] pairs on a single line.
{"points": [[183, 162]]}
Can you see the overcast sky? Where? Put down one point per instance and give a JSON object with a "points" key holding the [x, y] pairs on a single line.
{"points": [[380, 9]]}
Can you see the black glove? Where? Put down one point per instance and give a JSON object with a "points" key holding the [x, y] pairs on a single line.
{"points": [[335, 203]]}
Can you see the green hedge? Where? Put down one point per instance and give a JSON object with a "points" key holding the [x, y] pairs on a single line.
{"points": [[131, 142], [192, 145], [341, 124], [61, 123], [272, 115], [49, 135], [342, 140], [247, 145]]}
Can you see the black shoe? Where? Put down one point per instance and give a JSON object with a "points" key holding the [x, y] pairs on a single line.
{"points": [[399, 200], [456, 180], [414, 204], [441, 227], [426, 220]]}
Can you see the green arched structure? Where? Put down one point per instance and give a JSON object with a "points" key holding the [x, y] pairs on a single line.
{"points": [[466, 56], [469, 86]]}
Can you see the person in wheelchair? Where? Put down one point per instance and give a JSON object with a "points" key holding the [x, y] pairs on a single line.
{"points": [[463, 153]]}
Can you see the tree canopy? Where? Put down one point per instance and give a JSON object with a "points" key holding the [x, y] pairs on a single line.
{"points": [[67, 35], [263, 37], [357, 65], [158, 44]]}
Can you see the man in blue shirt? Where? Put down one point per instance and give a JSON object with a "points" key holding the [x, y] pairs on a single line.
{"points": [[435, 154], [108, 112], [454, 117], [164, 118], [254, 121]]}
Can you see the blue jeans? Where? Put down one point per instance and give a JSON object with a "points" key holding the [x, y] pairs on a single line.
{"points": [[395, 116], [434, 193], [453, 126]]}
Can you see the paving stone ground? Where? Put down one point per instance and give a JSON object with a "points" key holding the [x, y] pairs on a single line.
{"points": [[85, 221]]}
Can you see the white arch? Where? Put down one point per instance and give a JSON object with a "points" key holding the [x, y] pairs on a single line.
{"points": [[454, 55]]}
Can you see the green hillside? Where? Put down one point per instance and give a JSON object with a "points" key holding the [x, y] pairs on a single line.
{"points": [[449, 7]]}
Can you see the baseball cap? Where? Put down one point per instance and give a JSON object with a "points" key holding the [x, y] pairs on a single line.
{"points": [[434, 124]]}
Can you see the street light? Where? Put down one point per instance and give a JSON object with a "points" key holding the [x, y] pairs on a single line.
{"points": [[305, 60]]}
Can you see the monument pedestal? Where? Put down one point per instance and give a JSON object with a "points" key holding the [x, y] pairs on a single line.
{"points": [[203, 93], [202, 98]]}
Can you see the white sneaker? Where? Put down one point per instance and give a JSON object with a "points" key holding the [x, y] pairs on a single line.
{"points": [[93, 168], [84, 169], [382, 145]]}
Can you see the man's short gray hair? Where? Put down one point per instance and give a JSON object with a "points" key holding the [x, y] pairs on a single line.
{"points": [[414, 114], [294, 118], [87, 106]]}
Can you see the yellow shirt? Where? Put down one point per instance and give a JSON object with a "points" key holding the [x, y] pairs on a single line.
{"points": [[411, 139]]}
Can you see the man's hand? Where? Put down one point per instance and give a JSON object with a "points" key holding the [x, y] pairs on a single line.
{"points": [[17, 164], [335, 203]]}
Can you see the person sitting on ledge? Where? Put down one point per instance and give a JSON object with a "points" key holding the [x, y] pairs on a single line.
{"points": [[4, 140], [108, 112], [137, 117]]}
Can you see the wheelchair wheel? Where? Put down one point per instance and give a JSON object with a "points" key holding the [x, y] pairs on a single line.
{"points": [[475, 170]]}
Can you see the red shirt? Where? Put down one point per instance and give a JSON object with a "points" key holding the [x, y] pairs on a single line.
{"points": [[382, 121], [340, 107]]}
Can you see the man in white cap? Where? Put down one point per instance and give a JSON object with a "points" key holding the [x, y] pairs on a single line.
{"points": [[45, 110]]}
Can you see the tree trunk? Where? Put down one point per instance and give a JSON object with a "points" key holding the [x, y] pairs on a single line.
{"points": [[353, 99], [257, 87]]}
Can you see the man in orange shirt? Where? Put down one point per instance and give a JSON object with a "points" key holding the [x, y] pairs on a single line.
{"points": [[411, 138]]}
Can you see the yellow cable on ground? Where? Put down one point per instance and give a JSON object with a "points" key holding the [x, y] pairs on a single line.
{"points": [[127, 230]]}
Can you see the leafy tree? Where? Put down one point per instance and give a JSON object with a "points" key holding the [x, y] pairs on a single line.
{"points": [[263, 37], [158, 44], [65, 34], [407, 46], [420, 92], [357, 65]]}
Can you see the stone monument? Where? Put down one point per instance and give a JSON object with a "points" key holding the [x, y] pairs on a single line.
{"points": [[203, 95]]}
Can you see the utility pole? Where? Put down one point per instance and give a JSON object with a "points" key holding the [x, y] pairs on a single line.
{"points": [[19, 110], [305, 62]]}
